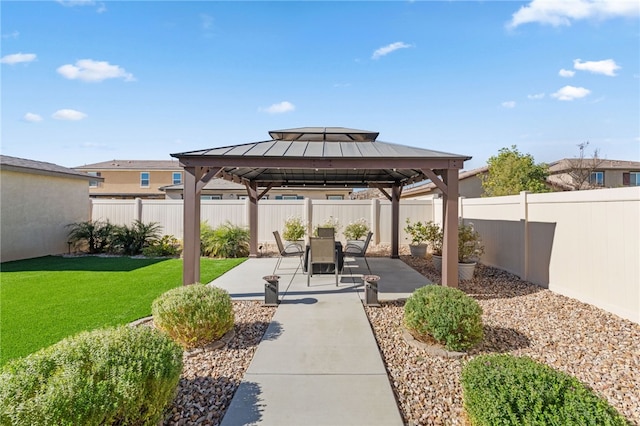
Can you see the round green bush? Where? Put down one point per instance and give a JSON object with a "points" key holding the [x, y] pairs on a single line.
{"points": [[446, 315], [194, 315], [506, 390], [118, 375]]}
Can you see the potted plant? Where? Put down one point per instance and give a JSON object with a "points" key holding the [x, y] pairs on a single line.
{"points": [[422, 234], [470, 248], [355, 231], [294, 229], [332, 222]]}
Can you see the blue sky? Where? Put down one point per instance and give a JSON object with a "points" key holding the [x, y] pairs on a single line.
{"points": [[90, 81]]}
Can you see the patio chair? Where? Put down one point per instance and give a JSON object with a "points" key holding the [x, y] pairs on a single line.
{"points": [[322, 250], [326, 232], [355, 250], [290, 250]]}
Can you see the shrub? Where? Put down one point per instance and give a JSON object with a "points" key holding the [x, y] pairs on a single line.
{"points": [[421, 233], [96, 235], [470, 245], [168, 245], [356, 230], [131, 240], [118, 375], [444, 314], [227, 240], [194, 315], [508, 390], [294, 229]]}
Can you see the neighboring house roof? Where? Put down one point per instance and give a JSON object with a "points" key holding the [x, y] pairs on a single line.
{"points": [[40, 167], [565, 164], [429, 186], [133, 165]]}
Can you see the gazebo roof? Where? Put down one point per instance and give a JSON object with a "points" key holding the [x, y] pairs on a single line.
{"points": [[324, 156]]}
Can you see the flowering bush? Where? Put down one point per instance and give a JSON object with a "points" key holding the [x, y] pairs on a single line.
{"points": [[356, 230], [294, 229], [332, 222], [421, 233], [470, 246]]}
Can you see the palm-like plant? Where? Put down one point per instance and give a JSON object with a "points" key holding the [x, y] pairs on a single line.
{"points": [[96, 234], [130, 240], [227, 241]]}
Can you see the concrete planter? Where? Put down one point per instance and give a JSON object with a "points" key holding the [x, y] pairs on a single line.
{"points": [[418, 250], [465, 270]]}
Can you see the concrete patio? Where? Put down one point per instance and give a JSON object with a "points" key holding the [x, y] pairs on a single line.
{"points": [[318, 362]]}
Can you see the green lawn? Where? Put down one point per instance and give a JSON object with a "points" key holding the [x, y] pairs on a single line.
{"points": [[46, 299]]}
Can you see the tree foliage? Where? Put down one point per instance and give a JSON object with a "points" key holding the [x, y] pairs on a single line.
{"points": [[511, 172]]}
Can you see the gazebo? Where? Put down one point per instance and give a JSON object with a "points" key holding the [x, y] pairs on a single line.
{"points": [[321, 156]]}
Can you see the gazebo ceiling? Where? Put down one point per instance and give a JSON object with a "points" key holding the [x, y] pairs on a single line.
{"points": [[322, 156]]}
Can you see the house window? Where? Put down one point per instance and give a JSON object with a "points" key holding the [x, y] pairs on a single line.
{"points": [[596, 178], [289, 197], [211, 197], [94, 183], [631, 179], [144, 179], [177, 178], [335, 197]]}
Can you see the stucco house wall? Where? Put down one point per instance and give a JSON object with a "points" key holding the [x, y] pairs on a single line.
{"points": [[35, 208]]}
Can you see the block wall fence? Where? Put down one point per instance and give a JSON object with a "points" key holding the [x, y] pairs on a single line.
{"points": [[582, 244]]}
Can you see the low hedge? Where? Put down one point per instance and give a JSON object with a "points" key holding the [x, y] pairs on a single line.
{"points": [[118, 376], [194, 315], [508, 390], [445, 314]]}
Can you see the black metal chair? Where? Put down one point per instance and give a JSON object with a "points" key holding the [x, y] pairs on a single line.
{"points": [[290, 250], [355, 250]]}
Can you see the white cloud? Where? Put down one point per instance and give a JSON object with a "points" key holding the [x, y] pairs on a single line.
{"points": [[606, 67], [31, 117], [14, 34], [69, 115], [17, 58], [279, 108], [566, 73], [93, 71], [536, 96], [509, 104], [206, 20], [385, 50], [569, 93], [562, 13]]}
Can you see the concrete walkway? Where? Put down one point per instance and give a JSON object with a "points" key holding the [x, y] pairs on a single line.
{"points": [[318, 362]]}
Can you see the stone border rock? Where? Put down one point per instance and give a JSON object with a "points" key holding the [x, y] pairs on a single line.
{"points": [[430, 349]]}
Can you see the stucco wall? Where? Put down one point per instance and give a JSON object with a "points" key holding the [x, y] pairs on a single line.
{"points": [[35, 212]]}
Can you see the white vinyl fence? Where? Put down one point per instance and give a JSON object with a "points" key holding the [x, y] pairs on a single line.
{"points": [[583, 244]]}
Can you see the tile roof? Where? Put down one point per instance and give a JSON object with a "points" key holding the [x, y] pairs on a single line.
{"points": [[133, 165], [40, 167]]}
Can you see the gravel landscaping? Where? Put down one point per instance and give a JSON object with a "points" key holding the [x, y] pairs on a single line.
{"points": [[600, 349]]}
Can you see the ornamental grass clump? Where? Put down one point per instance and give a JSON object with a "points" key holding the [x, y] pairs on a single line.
{"points": [[124, 376], [444, 314], [194, 315], [508, 390]]}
